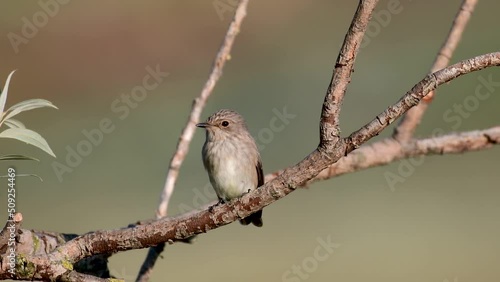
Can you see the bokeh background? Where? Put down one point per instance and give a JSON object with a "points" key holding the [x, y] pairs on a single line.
{"points": [[440, 224]]}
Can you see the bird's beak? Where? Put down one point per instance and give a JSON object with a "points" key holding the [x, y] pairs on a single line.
{"points": [[203, 124]]}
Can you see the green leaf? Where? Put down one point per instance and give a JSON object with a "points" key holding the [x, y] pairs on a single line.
{"points": [[17, 158], [5, 176], [14, 123], [26, 106], [28, 136], [3, 96]]}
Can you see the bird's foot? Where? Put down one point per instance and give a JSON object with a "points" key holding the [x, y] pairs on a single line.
{"points": [[211, 208]]}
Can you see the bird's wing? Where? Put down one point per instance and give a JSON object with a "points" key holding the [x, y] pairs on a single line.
{"points": [[260, 174]]}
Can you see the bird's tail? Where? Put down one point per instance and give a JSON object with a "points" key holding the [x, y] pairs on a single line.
{"points": [[255, 219]]}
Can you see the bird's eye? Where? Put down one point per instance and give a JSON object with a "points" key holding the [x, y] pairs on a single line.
{"points": [[225, 123]]}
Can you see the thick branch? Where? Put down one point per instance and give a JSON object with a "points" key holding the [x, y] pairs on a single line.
{"points": [[11, 226], [33, 242], [406, 128], [344, 66]]}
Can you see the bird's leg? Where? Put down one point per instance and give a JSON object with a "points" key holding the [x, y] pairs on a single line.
{"points": [[220, 202]]}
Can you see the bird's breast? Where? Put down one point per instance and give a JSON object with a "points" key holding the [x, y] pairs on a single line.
{"points": [[233, 173]]}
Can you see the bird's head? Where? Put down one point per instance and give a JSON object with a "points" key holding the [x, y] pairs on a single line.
{"points": [[224, 124]]}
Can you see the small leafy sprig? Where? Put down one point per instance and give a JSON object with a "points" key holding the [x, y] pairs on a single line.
{"points": [[17, 130]]}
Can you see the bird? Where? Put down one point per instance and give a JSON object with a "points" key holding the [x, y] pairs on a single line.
{"points": [[231, 159]]}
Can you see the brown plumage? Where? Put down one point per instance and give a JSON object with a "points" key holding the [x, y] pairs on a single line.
{"points": [[232, 159]]}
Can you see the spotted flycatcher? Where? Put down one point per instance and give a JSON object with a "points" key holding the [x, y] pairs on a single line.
{"points": [[232, 159]]}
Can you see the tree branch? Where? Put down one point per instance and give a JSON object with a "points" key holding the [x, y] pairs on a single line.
{"points": [[413, 97], [406, 128], [388, 150], [344, 66], [11, 227], [33, 242], [74, 276]]}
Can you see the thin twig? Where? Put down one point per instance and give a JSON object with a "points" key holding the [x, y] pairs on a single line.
{"points": [[413, 97], [198, 104], [344, 66], [388, 151], [187, 134], [406, 128]]}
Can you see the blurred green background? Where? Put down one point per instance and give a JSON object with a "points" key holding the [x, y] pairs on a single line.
{"points": [[440, 224]]}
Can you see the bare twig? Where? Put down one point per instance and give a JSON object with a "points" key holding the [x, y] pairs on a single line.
{"points": [[187, 134], [198, 104], [388, 150], [413, 97], [329, 124], [406, 128]]}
